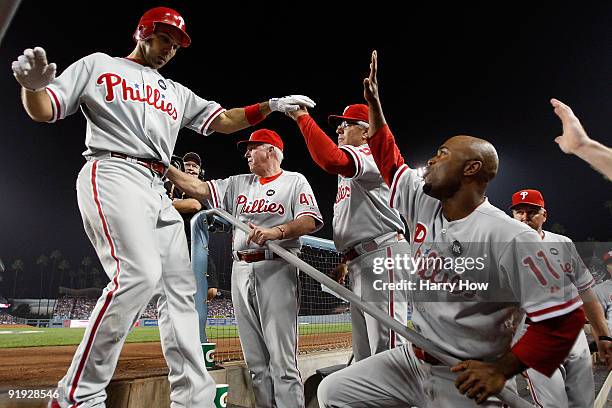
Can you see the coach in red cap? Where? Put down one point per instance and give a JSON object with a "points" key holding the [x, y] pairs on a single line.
{"points": [[365, 227], [278, 205], [528, 207], [562, 261]]}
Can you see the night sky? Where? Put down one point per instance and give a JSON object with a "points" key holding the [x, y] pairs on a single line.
{"points": [[485, 71]]}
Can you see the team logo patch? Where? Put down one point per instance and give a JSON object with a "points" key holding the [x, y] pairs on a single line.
{"points": [[270, 192], [524, 194], [456, 248], [420, 232], [162, 84]]}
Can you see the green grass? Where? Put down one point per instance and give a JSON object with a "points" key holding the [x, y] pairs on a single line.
{"points": [[69, 337], [64, 336]]}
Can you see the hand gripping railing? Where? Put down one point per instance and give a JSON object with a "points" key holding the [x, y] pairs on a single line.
{"points": [[506, 395]]}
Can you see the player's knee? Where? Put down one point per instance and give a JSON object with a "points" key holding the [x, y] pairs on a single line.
{"points": [[325, 392], [149, 282]]}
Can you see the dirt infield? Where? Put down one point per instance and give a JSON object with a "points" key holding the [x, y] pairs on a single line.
{"points": [[42, 367]]}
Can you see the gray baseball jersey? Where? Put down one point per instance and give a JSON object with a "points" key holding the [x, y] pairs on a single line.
{"points": [[361, 215], [604, 295], [265, 294], [572, 384], [266, 204], [361, 210], [130, 108], [514, 262], [135, 230]]}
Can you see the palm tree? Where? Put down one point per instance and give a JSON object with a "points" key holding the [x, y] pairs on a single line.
{"points": [[63, 266], [86, 263], [17, 266], [55, 257], [42, 262]]}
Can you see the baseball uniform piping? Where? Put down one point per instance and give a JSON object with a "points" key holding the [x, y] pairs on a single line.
{"points": [[356, 159], [58, 107], [557, 310], [391, 300], [109, 295], [216, 113], [532, 391], [214, 193]]}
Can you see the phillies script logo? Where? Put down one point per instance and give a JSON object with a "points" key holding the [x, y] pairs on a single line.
{"points": [[259, 206], [523, 194], [343, 192], [149, 95]]}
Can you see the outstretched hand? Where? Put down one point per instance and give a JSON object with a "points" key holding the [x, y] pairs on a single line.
{"points": [[297, 113], [573, 136], [32, 70], [370, 84]]}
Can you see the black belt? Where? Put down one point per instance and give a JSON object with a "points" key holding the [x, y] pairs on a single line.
{"points": [[151, 164], [249, 256]]}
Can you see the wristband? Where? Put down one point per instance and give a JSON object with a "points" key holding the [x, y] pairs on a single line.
{"points": [[253, 114], [282, 230], [606, 338]]}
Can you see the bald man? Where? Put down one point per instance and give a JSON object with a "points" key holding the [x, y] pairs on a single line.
{"points": [[470, 285]]}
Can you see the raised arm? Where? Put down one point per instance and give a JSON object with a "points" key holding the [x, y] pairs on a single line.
{"points": [[575, 140], [321, 147], [236, 119], [192, 186], [34, 73], [381, 141]]}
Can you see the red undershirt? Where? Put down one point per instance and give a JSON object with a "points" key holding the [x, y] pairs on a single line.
{"points": [[323, 150]]}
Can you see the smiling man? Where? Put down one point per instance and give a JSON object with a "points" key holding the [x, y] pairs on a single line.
{"points": [[134, 115], [278, 205]]}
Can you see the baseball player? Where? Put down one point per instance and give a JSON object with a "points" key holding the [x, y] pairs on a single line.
{"points": [[365, 228], [572, 384], [603, 291], [133, 117], [452, 220], [277, 205]]}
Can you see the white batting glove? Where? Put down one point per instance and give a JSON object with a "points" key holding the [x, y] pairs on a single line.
{"points": [[290, 103], [32, 70]]}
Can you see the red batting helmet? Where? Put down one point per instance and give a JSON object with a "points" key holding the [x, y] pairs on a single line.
{"points": [[163, 15]]}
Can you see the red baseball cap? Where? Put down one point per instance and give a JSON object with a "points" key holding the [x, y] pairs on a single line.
{"points": [[264, 136], [607, 257], [533, 197], [355, 112]]}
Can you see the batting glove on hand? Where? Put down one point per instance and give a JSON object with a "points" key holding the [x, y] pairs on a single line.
{"points": [[32, 70], [290, 103]]}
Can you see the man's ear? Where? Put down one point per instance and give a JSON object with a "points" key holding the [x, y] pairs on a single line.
{"points": [[472, 167]]}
